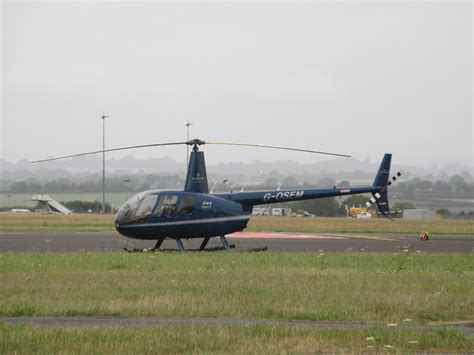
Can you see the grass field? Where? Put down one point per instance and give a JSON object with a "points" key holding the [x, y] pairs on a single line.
{"points": [[20, 222], [340, 286], [16, 222], [351, 225], [232, 339], [403, 288]]}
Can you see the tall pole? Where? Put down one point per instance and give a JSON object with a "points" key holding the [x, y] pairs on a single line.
{"points": [[103, 162], [187, 146], [126, 188]]}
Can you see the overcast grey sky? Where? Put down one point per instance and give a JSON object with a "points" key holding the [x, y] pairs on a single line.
{"points": [[356, 78]]}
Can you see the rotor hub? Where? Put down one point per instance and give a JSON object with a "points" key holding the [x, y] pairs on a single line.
{"points": [[195, 143]]}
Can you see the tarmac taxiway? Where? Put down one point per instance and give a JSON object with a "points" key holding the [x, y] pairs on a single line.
{"points": [[275, 242]]}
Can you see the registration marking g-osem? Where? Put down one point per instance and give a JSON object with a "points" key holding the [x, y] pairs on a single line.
{"points": [[283, 196]]}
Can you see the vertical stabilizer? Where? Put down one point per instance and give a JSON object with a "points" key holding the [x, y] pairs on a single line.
{"points": [[196, 180], [381, 179]]}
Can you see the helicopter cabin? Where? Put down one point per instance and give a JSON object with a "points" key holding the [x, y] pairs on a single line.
{"points": [[161, 213]]}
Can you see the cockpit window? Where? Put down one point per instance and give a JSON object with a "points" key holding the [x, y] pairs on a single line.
{"points": [[137, 208], [166, 205], [145, 207], [186, 206]]}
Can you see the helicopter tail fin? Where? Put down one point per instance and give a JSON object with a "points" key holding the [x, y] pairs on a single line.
{"points": [[196, 180], [382, 181]]}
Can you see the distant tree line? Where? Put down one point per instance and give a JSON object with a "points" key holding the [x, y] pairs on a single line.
{"points": [[113, 184], [140, 182], [456, 183], [462, 184]]}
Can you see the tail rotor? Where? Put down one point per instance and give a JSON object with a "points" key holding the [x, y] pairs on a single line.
{"points": [[380, 198]]}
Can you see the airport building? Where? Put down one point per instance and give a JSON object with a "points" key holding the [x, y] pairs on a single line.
{"points": [[419, 214]]}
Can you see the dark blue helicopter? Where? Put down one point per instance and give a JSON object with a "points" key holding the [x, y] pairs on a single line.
{"points": [[196, 213]]}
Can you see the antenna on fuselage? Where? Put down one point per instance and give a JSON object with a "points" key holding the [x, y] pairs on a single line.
{"points": [[245, 184], [230, 185], [282, 182], [224, 182]]}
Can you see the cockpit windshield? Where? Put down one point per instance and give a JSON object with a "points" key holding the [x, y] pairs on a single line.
{"points": [[137, 208], [141, 206]]}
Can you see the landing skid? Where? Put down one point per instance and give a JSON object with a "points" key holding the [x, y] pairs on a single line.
{"points": [[225, 246], [231, 246], [152, 250]]}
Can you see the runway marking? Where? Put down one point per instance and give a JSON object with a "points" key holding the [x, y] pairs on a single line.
{"points": [[371, 237], [255, 235], [263, 235]]}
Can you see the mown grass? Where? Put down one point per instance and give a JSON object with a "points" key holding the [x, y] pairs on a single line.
{"points": [[15, 222], [351, 225], [18, 222], [225, 339], [341, 286]]}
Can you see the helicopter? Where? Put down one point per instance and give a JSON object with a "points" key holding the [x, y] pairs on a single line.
{"points": [[194, 212]]}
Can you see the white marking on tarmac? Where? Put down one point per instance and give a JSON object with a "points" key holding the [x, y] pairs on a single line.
{"points": [[255, 235]]}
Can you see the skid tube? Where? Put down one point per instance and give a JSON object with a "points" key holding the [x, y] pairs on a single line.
{"points": [[225, 246], [232, 246]]}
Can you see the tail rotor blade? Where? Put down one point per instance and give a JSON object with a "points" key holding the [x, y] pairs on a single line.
{"points": [[279, 147], [377, 195]]}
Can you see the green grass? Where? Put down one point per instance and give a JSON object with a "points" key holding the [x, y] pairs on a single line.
{"points": [[341, 286], [351, 225], [17, 222], [226, 339], [38, 222], [388, 288]]}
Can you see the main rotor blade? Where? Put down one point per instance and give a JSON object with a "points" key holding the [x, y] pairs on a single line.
{"points": [[279, 147], [108, 150]]}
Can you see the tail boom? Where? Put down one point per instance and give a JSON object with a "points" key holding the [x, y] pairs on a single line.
{"points": [[252, 198], [378, 191]]}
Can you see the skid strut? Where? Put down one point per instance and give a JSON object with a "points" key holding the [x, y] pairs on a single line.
{"points": [[204, 243], [180, 244], [224, 241], [158, 244]]}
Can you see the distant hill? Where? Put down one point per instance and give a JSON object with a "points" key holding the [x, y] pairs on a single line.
{"points": [[339, 169]]}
